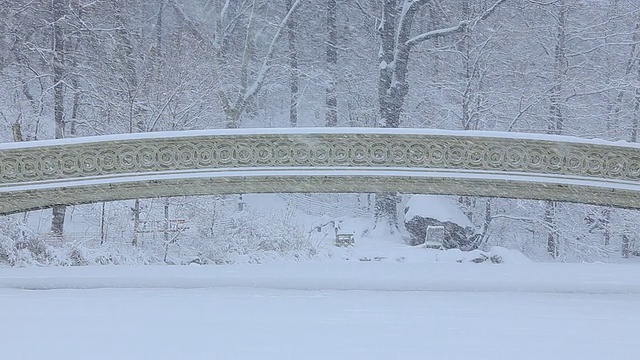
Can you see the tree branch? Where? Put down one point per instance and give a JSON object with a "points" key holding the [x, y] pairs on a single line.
{"points": [[266, 66], [454, 29], [435, 33], [192, 26]]}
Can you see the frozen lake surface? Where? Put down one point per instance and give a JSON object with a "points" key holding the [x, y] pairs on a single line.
{"points": [[322, 311]]}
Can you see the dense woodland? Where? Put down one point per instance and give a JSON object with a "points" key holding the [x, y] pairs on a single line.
{"points": [[73, 68]]}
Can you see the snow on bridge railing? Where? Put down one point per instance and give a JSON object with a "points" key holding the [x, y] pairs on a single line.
{"points": [[40, 174]]}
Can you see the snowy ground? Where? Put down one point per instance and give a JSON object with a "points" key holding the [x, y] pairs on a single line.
{"points": [[322, 310]]}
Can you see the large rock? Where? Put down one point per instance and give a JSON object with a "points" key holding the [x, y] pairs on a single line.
{"points": [[423, 211]]}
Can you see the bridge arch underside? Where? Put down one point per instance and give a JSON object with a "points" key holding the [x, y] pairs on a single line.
{"points": [[41, 174], [586, 191]]}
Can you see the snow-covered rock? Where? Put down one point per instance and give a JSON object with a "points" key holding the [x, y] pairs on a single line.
{"points": [[423, 211]]}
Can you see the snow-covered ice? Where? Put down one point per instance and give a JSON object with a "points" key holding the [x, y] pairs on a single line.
{"points": [[322, 310], [321, 324]]}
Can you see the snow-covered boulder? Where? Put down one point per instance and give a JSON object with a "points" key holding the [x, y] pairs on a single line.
{"points": [[423, 211]]}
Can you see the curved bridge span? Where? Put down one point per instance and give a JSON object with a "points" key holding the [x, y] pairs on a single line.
{"points": [[40, 174]]}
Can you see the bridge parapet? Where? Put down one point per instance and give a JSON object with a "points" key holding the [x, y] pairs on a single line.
{"points": [[318, 160]]}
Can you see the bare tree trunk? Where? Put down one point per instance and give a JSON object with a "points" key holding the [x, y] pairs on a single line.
{"points": [[332, 64], [614, 107], [385, 211], [389, 101], [466, 52], [488, 211], [607, 225], [635, 125], [57, 221], [159, 22], [103, 225], [626, 243], [293, 67], [75, 108], [136, 120], [16, 129], [636, 116], [166, 220], [556, 116], [125, 52], [136, 221], [552, 232], [58, 11]]}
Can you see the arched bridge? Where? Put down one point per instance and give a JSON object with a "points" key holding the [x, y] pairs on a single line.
{"points": [[41, 174]]}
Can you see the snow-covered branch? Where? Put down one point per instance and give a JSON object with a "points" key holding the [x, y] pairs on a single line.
{"points": [[434, 33], [266, 66], [526, 219], [454, 29]]}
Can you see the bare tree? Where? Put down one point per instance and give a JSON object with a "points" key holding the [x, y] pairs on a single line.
{"points": [[332, 64], [234, 102], [556, 113], [58, 11], [396, 43], [293, 67]]}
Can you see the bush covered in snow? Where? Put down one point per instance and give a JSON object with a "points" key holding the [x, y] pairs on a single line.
{"points": [[249, 236], [256, 237], [20, 247]]}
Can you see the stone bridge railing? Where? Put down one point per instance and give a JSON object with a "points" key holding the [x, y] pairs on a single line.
{"points": [[41, 174]]}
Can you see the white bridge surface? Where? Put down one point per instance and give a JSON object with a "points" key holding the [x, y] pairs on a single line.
{"points": [[329, 310], [41, 174]]}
